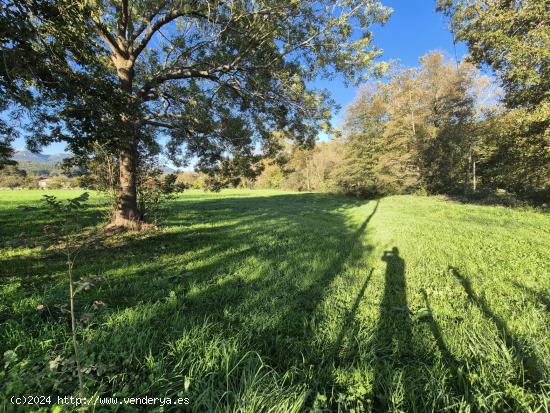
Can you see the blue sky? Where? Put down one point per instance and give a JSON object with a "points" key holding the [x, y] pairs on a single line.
{"points": [[413, 30]]}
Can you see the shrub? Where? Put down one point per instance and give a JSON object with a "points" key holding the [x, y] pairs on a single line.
{"points": [[59, 182], [12, 181]]}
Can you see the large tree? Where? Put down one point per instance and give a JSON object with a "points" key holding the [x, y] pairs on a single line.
{"points": [[215, 77], [362, 140], [513, 38], [413, 131]]}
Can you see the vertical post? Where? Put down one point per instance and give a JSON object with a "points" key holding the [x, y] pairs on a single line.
{"points": [[474, 172]]}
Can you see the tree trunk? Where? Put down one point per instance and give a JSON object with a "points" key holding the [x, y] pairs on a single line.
{"points": [[126, 213], [307, 175], [468, 173], [474, 172]]}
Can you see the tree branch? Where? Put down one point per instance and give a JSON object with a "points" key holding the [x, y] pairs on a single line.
{"points": [[123, 21], [154, 27], [108, 38], [160, 124], [148, 21], [186, 73], [190, 73]]}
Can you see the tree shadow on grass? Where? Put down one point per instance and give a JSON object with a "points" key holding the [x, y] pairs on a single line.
{"points": [[30, 220], [290, 280], [289, 338], [533, 375], [349, 327], [459, 371], [538, 296], [256, 267]]}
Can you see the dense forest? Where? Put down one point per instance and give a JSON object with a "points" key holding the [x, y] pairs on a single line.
{"points": [[439, 128]]}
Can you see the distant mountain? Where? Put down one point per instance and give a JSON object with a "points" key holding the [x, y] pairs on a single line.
{"points": [[58, 157], [26, 155], [43, 164], [39, 164]]}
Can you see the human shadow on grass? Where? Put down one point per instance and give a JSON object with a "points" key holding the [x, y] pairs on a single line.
{"points": [[399, 356], [524, 356], [393, 337]]}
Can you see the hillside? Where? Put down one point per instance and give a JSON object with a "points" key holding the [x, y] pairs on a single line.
{"points": [[45, 165], [39, 163]]}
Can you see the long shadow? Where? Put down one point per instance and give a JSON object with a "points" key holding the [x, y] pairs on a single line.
{"points": [[538, 296], [205, 264], [303, 304], [348, 329], [29, 221], [458, 370], [527, 359], [249, 217], [393, 337]]}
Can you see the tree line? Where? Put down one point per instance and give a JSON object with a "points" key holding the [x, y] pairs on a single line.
{"points": [[226, 84], [443, 128]]}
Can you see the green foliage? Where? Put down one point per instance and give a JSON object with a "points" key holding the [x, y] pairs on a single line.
{"points": [[61, 182], [518, 159], [411, 133], [66, 234], [513, 38], [364, 125], [188, 180], [302, 169], [65, 215], [270, 301], [151, 201], [6, 151], [13, 177], [168, 183], [216, 79]]}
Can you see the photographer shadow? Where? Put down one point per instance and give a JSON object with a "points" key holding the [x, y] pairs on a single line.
{"points": [[393, 337]]}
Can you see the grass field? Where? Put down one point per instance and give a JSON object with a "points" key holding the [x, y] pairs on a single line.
{"points": [[249, 301]]}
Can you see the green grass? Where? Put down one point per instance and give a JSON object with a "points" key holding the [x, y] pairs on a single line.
{"points": [[279, 302]]}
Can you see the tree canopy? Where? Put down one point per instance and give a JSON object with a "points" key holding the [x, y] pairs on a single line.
{"points": [[513, 38], [216, 78], [413, 132]]}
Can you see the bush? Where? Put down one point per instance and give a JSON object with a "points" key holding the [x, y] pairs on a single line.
{"points": [[59, 182], [169, 184], [12, 177], [200, 182], [12, 181], [31, 182]]}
